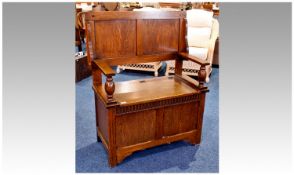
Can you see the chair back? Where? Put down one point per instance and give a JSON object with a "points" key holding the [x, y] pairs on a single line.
{"points": [[127, 37], [199, 27]]}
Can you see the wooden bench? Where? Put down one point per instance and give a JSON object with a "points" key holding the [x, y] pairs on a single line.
{"points": [[139, 114]]}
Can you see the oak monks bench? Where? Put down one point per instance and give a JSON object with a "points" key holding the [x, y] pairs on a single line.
{"points": [[139, 114]]}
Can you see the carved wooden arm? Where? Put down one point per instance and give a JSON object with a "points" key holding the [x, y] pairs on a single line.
{"points": [[105, 68], [203, 63], [189, 57], [109, 84]]}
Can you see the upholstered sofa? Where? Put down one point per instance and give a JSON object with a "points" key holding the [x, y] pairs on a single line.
{"points": [[202, 32]]}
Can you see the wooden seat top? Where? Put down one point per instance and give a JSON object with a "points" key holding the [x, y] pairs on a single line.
{"points": [[148, 90]]}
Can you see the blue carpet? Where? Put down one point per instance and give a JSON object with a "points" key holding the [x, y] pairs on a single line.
{"points": [[175, 157]]}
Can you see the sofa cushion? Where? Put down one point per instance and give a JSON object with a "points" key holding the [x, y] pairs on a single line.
{"points": [[198, 36], [199, 18], [200, 53]]}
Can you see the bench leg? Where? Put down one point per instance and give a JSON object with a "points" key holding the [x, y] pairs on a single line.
{"points": [[194, 139], [112, 160], [118, 69], [166, 70], [98, 138]]}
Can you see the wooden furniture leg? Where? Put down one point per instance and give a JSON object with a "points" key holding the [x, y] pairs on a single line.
{"points": [[202, 76], [97, 121], [112, 141]]}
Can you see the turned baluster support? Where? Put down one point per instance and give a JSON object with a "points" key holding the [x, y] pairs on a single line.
{"points": [[202, 76], [109, 88]]}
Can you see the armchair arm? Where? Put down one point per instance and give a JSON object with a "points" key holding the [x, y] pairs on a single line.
{"points": [[104, 67], [213, 38], [189, 57], [109, 86], [203, 63]]}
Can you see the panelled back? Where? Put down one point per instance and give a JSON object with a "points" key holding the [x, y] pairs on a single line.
{"points": [[115, 38], [157, 36], [133, 35]]}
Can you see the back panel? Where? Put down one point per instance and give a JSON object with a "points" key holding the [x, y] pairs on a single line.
{"points": [[157, 36], [133, 35], [115, 38]]}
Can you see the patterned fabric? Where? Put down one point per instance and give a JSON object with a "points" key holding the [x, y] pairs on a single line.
{"points": [[140, 65]]}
